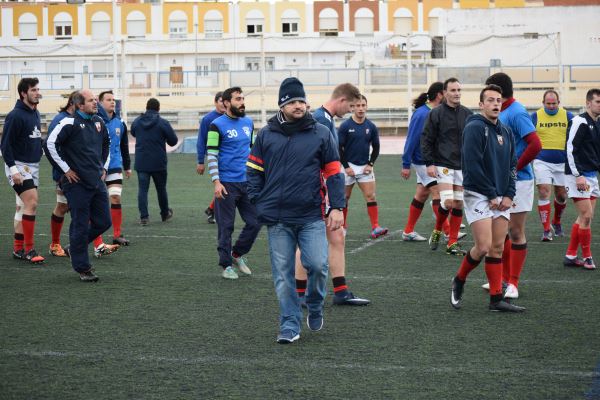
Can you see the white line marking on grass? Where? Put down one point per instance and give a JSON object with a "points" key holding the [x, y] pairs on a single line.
{"points": [[372, 242]]}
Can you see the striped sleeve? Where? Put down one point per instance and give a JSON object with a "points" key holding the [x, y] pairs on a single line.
{"points": [[51, 143], [212, 150]]}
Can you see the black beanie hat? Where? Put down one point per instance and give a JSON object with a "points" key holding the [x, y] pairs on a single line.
{"points": [[291, 89]]}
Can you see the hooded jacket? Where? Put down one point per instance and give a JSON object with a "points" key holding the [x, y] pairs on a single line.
{"points": [[583, 146], [286, 168], [151, 132], [21, 136], [119, 143]]}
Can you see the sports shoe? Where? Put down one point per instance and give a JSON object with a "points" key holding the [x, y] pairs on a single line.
{"points": [[503, 306], [412, 237], [144, 221], [486, 286], [121, 241], [88, 276], [547, 236], [105, 249], [229, 273], [457, 292], [558, 230], [33, 257], [588, 264], [240, 262], [511, 292], [434, 239], [167, 217], [287, 337], [455, 250], [348, 299], [19, 254], [462, 226], [67, 250], [210, 215], [458, 237], [573, 262], [56, 250], [378, 232], [314, 321]]}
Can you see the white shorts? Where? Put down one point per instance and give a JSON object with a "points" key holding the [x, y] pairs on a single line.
{"points": [[422, 177], [451, 176], [27, 171], [592, 189], [477, 207], [523, 201], [359, 176], [114, 177], [549, 173]]}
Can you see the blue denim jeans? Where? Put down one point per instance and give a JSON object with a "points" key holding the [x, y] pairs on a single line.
{"points": [[160, 182], [283, 240]]}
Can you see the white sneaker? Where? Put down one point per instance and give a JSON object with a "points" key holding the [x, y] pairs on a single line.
{"points": [[462, 226], [412, 237], [511, 292], [461, 235], [486, 286], [240, 262], [229, 273]]}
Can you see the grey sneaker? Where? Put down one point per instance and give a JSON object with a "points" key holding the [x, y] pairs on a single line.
{"points": [[412, 237], [287, 337], [229, 273], [240, 262]]}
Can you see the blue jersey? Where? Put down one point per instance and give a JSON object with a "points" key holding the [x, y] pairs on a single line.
{"points": [[515, 116], [323, 117], [355, 141], [203, 134], [230, 140], [119, 144], [412, 146]]}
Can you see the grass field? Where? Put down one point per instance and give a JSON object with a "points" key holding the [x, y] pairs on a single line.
{"points": [[163, 324]]}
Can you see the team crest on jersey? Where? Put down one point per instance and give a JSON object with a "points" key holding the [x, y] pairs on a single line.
{"points": [[246, 131], [98, 127], [82, 126], [500, 140], [445, 171], [35, 133], [118, 131], [26, 169], [367, 131]]}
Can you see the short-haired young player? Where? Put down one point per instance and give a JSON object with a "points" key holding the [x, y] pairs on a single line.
{"points": [[489, 170], [581, 178], [357, 136]]}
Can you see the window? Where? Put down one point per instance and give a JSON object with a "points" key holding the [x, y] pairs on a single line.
{"points": [[100, 26], [290, 20], [438, 47], [328, 22], [434, 21], [213, 24], [136, 25], [63, 26], [402, 21], [363, 22], [63, 69], [28, 27], [102, 68], [253, 63], [178, 24], [254, 23]]}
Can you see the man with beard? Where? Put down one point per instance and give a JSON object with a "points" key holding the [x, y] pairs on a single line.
{"points": [[229, 140]]}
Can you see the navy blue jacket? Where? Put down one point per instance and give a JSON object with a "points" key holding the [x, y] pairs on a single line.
{"points": [[151, 132], [489, 161], [286, 168], [79, 143], [56, 172], [21, 137]]}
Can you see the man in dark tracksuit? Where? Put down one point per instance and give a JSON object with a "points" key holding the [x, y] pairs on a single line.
{"points": [[284, 181], [79, 146]]}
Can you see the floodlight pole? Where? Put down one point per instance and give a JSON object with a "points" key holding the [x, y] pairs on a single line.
{"points": [[409, 74], [114, 55], [263, 111]]}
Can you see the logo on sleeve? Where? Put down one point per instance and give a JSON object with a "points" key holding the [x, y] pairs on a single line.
{"points": [[98, 126]]}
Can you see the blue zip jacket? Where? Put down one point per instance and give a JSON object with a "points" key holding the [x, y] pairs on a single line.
{"points": [[203, 134], [21, 136], [286, 168], [56, 172], [412, 146], [489, 161], [119, 143], [151, 132]]}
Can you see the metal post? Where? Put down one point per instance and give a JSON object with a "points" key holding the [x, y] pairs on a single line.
{"points": [[114, 37], [409, 74], [263, 110]]}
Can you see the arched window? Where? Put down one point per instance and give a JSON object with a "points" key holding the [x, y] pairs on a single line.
{"points": [[290, 21], [402, 21], [27, 27], [136, 24], [178, 24], [434, 21], [100, 26], [255, 21], [328, 22], [63, 26], [213, 24], [363, 22]]}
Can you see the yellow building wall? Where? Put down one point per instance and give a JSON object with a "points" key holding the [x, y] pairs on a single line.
{"points": [[93, 8], [54, 9], [412, 5], [187, 8], [510, 3], [223, 8], [35, 9], [281, 7], [474, 4], [429, 5], [245, 8], [126, 8]]}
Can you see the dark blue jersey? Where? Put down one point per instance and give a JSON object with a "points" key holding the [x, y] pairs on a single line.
{"points": [[356, 140], [203, 134], [322, 116], [22, 137]]}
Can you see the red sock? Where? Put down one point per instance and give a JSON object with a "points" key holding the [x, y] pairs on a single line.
{"points": [[339, 284], [506, 259], [301, 286], [446, 227], [345, 216], [518, 254], [441, 217], [435, 205], [544, 210], [212, 204], [585, 240], [116, 214], [414, 212], [98, 241], [28, 229], [373, 211], [558, 210], [574, 241], [18, 243], [56, 224], [455, 221], [468, 264], [493, 270]]}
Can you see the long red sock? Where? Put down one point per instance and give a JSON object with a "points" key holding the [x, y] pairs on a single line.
{"points": [[558, 211], [56, 224], [493, 270], [346, 216], [98, 241], [574, 241], [455, 221], [435, 205], [116, 214], [212, 204], [518, 254], [544, 209], [28, 229], [414, 212], [373, 211], [506, 259], [441, 217], [18, 243], [585, 240], [468, 264]]}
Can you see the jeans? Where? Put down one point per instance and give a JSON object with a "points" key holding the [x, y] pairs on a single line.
{"points": [[312, 241], [160, 182]]}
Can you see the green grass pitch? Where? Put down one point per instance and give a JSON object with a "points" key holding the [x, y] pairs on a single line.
{"points": [[163, 324]]}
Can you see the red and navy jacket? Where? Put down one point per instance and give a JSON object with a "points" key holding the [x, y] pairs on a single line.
{"points": [[285, 171]]}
